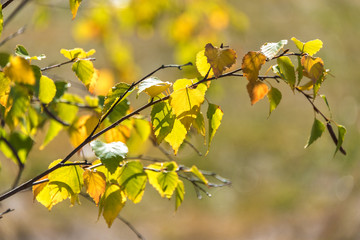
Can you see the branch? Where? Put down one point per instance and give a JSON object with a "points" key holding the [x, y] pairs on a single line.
{"points": [[11, 36], [67, 62], [6, 4], [15, 12], [18, 160]]}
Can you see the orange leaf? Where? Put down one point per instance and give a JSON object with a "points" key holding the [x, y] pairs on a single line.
{"points": [[313, 68], [95, 184], [251, 65], [257, 90], [219, 58]]}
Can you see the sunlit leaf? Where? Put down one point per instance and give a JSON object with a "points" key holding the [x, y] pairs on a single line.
{"points": [[163, 177], [316, 131], [257, 90], [74, 6], [112, 203], [179, 194], [132, 179], [142, 128], [287, 70], [341, 135], [76, 53], [104, 83], [299, 70], [202, 64], [214, 115], [153, 86], [18, 102], [274, 97], [310, 47], [176, 136], [119, 110], [95, 184], [313, 68], [199, 124], [271, 49], [251, 65], [53, 130], [81, 129], [194, 170], [70, 175], [53, 193], [110, 154], [4, 88], [84, 70], [20, 71], [47, 89], [219, 58]]}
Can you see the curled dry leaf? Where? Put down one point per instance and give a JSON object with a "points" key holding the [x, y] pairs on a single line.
{"points": [[219, 58]]}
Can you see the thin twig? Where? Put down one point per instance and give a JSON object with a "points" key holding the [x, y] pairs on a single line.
{"points": [[193, 147], [15, 12], [53, 116], [13, 35], [67, 62], [5, 212], [6, 4], [18, 160]]}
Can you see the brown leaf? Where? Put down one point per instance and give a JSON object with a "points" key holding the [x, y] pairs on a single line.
{"points": [[219, 58]]}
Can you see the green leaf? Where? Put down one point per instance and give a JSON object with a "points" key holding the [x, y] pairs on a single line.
{"points": [[341, 135], [21, 143], [163, 177], [61, 88], [153, 86], [114, 94], [53, 130], [287, 69], [119, 110], [162, 120], [112, 203], [142, 128], [110, 154], [22, 52], [84, 70], [47, 90], [316, 131], [327, 103], [132, 179], [274, 97], [20, 102], [199, 124], [299, 70], [4, 59], [310, 47], [72, 176], [214, 115], [271, 49], [74, 6], [179, 194]]}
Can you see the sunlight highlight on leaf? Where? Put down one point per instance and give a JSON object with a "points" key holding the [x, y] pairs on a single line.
{"points": [[310, 47], [214, 115], [271, 49]]}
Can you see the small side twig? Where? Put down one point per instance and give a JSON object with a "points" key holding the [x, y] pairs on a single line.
{"points": [[15, 12], [13, 35], [64, 63], [53, 116], [5, 212]]}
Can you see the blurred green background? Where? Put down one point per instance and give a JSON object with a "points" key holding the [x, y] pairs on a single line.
{"points": [[279, 189]]}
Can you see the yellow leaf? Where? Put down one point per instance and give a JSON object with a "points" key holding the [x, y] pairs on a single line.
{"points": [[202, 64], [4, 89], [93, 81], [74, 5], [120, 133], [153, 86], [251, 65], [19, 71], [310, 47], [81, 129], [219, 58], [257, 90], [104, 83], [95, 184], [313, 68], [177, 135], [76, 53]]}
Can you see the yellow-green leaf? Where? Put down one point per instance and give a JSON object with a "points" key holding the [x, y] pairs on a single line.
{"points": [[274, 97], [316, 131], [176, 136], [112, 203], [20, 142], [20, 71], [202, 64], [119, 90], [76, 53], [163, 177], [84, 70], [341, 135], [72, 176], [251, 65], [162, 120], [194, 170], [4, 88], [22, 52], [74, 6], [132, 179], [214, 115], [1, 20], [287, 70], [219, 58], [153, 86], [95, 184], [47, 89], [310, 47], [179, 194]]}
